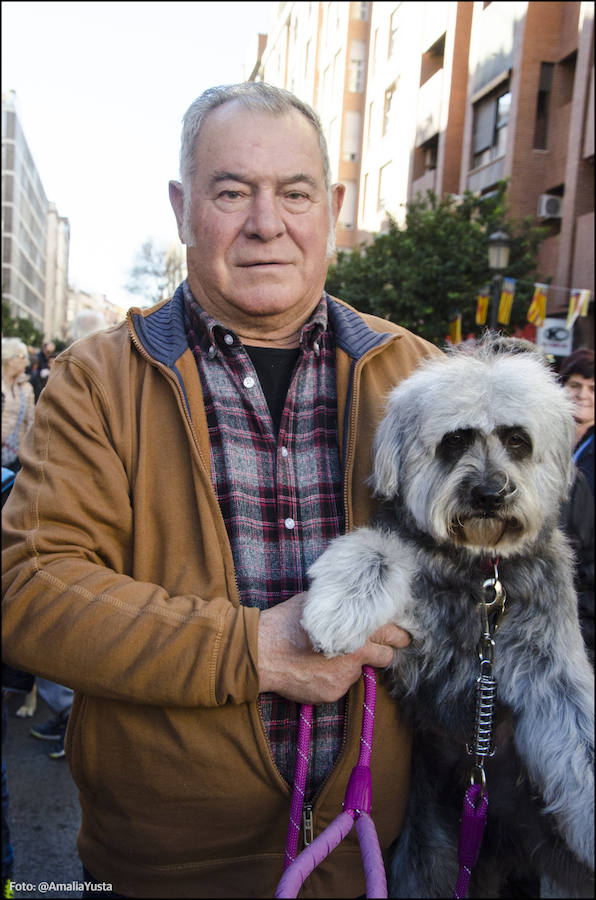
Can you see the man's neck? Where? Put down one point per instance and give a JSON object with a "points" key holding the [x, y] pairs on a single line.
{"points": [[282, 330]]}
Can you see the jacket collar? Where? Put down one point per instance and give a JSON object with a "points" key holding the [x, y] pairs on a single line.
{"points": [[162, 334]]}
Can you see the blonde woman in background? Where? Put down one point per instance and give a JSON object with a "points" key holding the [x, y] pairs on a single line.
{"points": [[17, 400]]}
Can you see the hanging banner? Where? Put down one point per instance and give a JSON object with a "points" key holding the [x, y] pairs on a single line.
{"points": [[506, 302], [455, 327], [578, 306], [537, 310], [554, 338], [482, 299]]}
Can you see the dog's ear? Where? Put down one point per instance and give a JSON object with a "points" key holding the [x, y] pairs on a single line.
{"points": [[387, 453]]}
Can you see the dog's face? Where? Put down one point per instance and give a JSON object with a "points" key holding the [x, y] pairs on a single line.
{"points": [[478, 449]]}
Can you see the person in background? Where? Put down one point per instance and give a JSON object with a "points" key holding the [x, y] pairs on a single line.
{"points": [[17, 400], [45, 361], [86, 322], [188, 467], [577, 376]]}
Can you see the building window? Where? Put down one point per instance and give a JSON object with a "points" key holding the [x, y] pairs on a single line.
{"points": [[491, 115], [384, 195], [542, 106], [9, 125], [7, 188], [371, 108], [393, 29], [347, 216], [364, 195], [356, 72], [432, 60], [425, 157], [387, 108], [352, 130], [566, 78], [362, 11]]}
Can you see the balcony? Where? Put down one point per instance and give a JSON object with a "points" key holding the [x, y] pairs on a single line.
{"points": [[428, 112]]}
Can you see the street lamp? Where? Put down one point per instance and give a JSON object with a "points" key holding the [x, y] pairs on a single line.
{"points": [[499, 245]]}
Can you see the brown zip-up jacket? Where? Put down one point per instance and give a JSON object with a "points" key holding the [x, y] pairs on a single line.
{"points": [[119, 582]]}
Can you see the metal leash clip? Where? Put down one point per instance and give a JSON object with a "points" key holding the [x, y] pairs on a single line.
{"points": [[493, 606], [492, 609]]}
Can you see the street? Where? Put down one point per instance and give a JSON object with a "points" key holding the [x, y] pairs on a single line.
{"points": [[44, 812]]}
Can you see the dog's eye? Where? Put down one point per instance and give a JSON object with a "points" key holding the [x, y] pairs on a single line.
{"points": [[516, 441], [455, 443]]}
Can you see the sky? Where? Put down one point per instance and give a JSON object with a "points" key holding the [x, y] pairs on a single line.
{"points": [[101, 89]]}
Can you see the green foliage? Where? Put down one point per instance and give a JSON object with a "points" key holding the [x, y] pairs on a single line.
{"points": [[21, 328], [419, 275]]}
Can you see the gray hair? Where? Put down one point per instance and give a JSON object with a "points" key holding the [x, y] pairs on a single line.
{"points": [[253, 95], [257, 96], [87, 321], [13, 346]]}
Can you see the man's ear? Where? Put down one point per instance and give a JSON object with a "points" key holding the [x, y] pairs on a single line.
{"points": [[337, 198], [177, 201]]}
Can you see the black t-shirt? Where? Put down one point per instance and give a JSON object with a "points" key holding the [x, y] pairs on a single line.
{"points": [[274, 367]]}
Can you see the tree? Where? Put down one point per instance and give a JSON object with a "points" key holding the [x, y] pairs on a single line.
{"points": [[21, 328], [157, 272], [417, 276]]}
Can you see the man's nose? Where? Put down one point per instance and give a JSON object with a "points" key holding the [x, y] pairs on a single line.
{"points": [[264, 220]]}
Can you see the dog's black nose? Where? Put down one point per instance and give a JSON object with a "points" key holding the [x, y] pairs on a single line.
{"points": [[488, 497]]}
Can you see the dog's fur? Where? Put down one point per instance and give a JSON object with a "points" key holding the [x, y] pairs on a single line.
{"points": [[472, 461]]}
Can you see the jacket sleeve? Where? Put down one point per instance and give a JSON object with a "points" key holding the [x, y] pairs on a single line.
{"points": [[72, 612]]}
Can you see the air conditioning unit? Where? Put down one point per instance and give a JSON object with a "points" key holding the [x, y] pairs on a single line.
{"points": [[550, 206]]}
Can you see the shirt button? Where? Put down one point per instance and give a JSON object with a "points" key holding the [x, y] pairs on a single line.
{"points": [[229, 340], [212, 351], [284, 451], [289, 523], [249, 381]]}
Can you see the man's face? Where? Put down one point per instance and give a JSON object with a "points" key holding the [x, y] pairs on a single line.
{"points": [[259, 216]]}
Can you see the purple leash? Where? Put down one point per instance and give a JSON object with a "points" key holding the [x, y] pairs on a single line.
{"points": [[357, 808], [473, 820]]}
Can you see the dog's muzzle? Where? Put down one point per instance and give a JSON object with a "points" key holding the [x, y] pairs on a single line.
{"points": [[484, 521]]}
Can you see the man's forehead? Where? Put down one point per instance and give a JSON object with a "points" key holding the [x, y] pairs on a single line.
{"points": [[238, 130]]}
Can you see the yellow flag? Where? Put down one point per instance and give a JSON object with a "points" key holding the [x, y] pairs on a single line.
{"points": [[578, 306], [573, 311], [506, 302], [482, 306], [537, 311], [455, 328]]}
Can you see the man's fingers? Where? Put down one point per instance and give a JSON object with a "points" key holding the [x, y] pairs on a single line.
{"points": [[391, 635]]}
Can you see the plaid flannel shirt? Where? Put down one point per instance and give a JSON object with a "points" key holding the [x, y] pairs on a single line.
{"points": [[281, 495]]}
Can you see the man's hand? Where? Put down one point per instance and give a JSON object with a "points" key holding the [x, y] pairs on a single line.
{"points": [[289, 666]]}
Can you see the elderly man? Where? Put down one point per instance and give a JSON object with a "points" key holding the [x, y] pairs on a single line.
{"points": [[184, 471]]}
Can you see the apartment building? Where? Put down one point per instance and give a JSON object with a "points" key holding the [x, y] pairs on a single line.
{"points": [[452, 96], [57, 246], [35, 239]]}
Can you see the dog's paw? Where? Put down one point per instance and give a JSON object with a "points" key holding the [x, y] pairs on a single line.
{"points": [[25, 711], [361, 582]]}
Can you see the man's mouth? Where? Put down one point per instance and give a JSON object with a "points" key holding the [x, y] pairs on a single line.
{"points": [[262, 262]]}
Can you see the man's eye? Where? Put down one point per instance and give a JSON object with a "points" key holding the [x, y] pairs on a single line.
{"points": [[230, 195]]}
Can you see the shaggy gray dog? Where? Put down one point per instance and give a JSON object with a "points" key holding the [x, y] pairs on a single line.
{"points": [[472, 460]]}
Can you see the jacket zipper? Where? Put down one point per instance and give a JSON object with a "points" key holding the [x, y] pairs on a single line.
{"points": [[308, 812], [307, 825]]}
